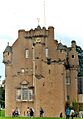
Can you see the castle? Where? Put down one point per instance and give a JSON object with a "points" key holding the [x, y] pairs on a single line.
{"points": [[40, 72]]}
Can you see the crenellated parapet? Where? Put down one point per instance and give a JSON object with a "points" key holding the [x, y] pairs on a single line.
{"points": [[37, 32]]}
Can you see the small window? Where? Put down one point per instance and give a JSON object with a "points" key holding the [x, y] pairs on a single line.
{"points": [[8, 53], [18, 94], [46, 52], [68, 81], [49, 71], [30, 94], [73, 56], [27, 53], [68, 97]]}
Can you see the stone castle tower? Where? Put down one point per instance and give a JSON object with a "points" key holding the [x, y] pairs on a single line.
{"points": [[40, 72]]}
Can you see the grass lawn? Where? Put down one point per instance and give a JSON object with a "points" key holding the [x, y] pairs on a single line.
{"points": [[32, 118], [26, 118], [2, 116], [2, 113]]}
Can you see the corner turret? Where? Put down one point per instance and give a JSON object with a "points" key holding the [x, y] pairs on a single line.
{"points": [[73, 56], [7, 55]]}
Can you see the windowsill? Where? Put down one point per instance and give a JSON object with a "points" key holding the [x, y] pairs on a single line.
{"points": [[68, 83], [25, 100]]}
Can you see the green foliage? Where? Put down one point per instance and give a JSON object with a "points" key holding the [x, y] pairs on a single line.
{"points": [[2, 112], [75, 105], [2, 97], [81, 107], [67, 104]]}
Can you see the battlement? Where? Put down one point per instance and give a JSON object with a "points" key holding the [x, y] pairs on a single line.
{"points": [[37, 32]]}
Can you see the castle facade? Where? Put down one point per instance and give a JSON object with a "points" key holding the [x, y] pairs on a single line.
{"points": [[40, 72]]}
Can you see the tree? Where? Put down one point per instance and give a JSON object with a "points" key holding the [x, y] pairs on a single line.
{"points": [[2, 97], [75, 106]]}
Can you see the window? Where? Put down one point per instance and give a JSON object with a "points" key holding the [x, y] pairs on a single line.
{"points": [[46, 52], [80, 85], [27, 53], [72, 56], [8, 53], [30, 94], [68, 81], [68, 97], [18, 94], [24, 93]]}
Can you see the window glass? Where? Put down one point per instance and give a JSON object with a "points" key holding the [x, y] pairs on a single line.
{"points": [[27, 53], [68, 97], [24, 93], [46, 52], [30, 94], [72, 56], [68, 81], [18, 94]]}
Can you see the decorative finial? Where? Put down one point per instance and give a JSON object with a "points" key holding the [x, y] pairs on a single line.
{"points": [[38, 19], [8, 43]]}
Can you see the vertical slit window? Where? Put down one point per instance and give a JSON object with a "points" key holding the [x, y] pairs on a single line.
{"points": [[18, 94], [27, 53], [24, 94], [46, 52], [30, 95]]}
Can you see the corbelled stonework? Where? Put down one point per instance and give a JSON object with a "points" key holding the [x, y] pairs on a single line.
{"points": [[40, 72]]}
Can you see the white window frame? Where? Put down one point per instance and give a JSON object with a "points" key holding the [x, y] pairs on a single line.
{"points": [[18, 94], [68, 80], [46, 52], [30, 95], [25, 93], [27, 53]]}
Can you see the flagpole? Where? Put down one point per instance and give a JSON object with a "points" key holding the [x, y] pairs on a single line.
{"points": [[44, 14]]}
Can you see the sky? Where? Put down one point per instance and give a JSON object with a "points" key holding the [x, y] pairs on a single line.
{"points": [[66, 16]]}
